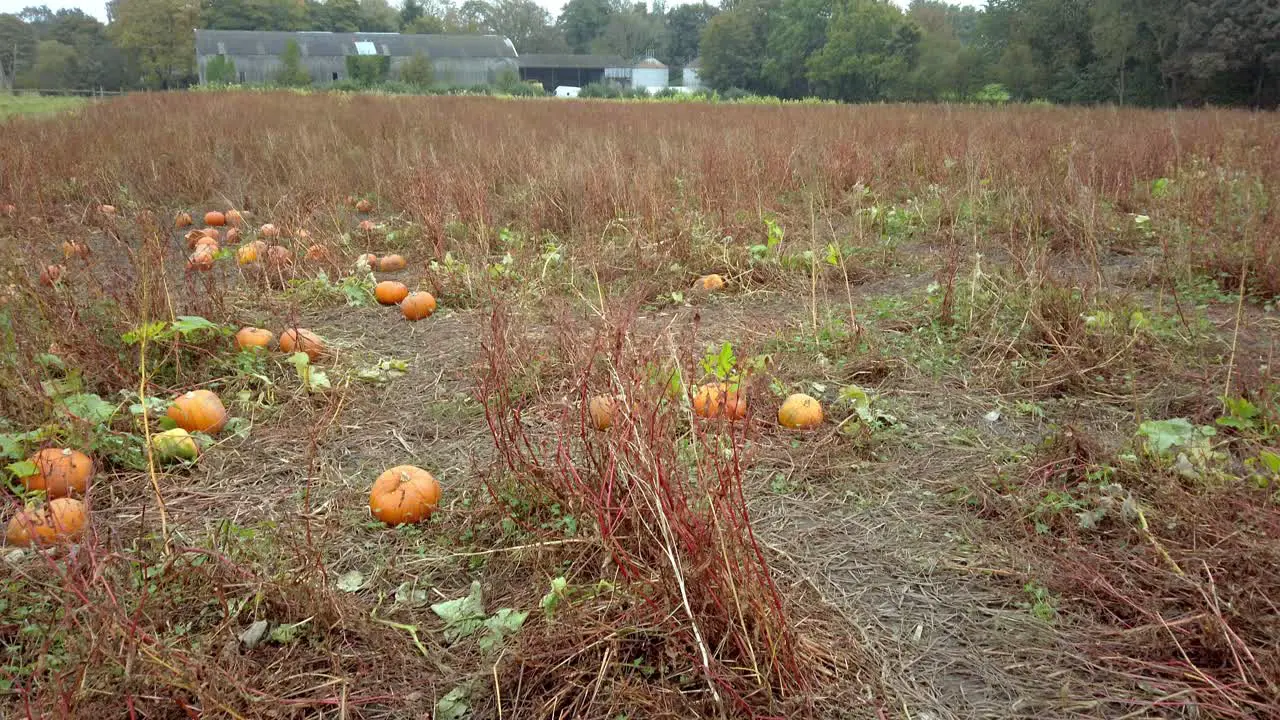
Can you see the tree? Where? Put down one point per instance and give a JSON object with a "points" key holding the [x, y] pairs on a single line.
{"points": [[337, 16], [631, 33], [731, 44], [220, 70], [870, 50], [417, 71], [582, 21], [523, 22], [378, 16], [684, 26], [252, 15], [292, 73], [158, 34], [410, 12], [798, 30], [17, 48], [54, 68]]}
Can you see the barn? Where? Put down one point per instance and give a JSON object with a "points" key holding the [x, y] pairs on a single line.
{"points": [[455, 59], [553, 71]]}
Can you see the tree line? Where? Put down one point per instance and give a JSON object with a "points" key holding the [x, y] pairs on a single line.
{"points": [[1128, 52]]}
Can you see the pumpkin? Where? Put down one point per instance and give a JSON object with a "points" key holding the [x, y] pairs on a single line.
{"points": [[601, 410], [252, 338], [418, 305], [367, 227], [198, 411], [182, 220], [710, 283], [207, 242], [249, 253], [391, 263], [800, 412], [317, 253], [364, 206], [706, 402], [107, 209], [269, 231], [279, 256], [233, 235], [9, 210], [74, 248], [299, 340], [735, 404], [202, 259], [234, 218], [60, 472], [390, 292], [51, 274], [211, 232], [215, 218], [404, 494], [193, 237], [61, 520], [368, 261], [174, 445]]}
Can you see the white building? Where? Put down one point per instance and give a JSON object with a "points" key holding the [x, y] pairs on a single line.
{"points": [[692, 79], [649, 73]]}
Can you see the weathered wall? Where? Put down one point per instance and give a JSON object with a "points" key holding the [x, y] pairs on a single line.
{"points": [[327, 69]]}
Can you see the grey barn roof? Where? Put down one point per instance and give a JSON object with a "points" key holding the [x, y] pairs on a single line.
{"points": [[252, 42], [572, 61]]}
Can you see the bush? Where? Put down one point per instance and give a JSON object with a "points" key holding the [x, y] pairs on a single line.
{"points": [[601, 91], [368, 70], [418, 71], [993, 94], [292, 74], [220, 71]]}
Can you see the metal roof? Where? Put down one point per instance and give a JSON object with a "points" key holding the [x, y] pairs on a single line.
{"points": [[571, 61], [650, 62], [253, 42]]}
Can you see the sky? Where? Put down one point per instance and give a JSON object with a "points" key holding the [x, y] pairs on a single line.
{"points": [[98, 8]]}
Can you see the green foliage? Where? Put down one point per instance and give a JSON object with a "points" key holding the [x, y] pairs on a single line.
{"points": [[292, 73], [368, 70], [311, 379], [418, 71], [220, 69], [157, 35], [466, 616]]}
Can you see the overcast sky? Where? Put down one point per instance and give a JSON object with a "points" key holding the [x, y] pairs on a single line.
{"points": [[98, 8]]}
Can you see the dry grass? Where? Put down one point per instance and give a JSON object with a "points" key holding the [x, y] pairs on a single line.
{"points": [[1077, 271]]}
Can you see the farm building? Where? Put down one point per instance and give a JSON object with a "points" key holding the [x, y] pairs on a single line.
{"points": [[649, 74], [572, 70], [455, 59], [692, 79]]}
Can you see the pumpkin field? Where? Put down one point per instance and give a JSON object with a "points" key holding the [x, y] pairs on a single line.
{"points": [[352, 406]]}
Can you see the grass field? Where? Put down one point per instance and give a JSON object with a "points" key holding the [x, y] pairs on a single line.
{"points": [[1046, 483], [13, 105]]}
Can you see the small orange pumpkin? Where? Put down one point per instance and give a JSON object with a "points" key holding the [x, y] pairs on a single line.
{"points": [[317, 253], [74, 248], [51, 274], [299, 340], [269, 231], [250, 253], [735, 404], [601, 409], [60, 472], [364, 206], [279, 256], [404, 494], [202, 259], [391, 263], [233, 235], [418, 305], [706, 402], [800, 412], [234, 218], [368, 261], [182, 220], [192, 237], [207, 242], [198, 411], [215, 218], [390, 292], [367, 227], [63, 519], [710, 283], [252, 338]]}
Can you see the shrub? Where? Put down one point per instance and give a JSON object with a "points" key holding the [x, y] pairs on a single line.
{"points": [[600, 90], [292, 74], [418, 71], [221, 70], [368, 70]]}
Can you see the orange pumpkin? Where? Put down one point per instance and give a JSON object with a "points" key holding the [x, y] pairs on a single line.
{"points": [[60, 472], [51, 274], [74, 248], [368, 261], [61, 520], [9, 210], [207, 242], [367, 227], [299, 340], [198, 411], [390, 292], [269, 231], [404, 494], [317, 253], [202, 259], [707, 401], [364, 206], [252, 338], [215, 218], [250, 253], [192, 237], [418, 305], [234, 218], [182, 220], [800, 412], [735, 404], [279, 256], [233, 235], [601, 409], [391, 263], [710, 283]]}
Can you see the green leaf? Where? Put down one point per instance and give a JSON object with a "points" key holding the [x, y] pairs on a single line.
{"points": [[462, 617], [286, 633], [190, 324], [558, 592], [150, 331], [503, 624], [454, 705], [407, 594], [1270, 460], [22, 468], [14, 445], [88, 407], [351, 581], [1161, 436], [49, 360], [860, 400]]}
